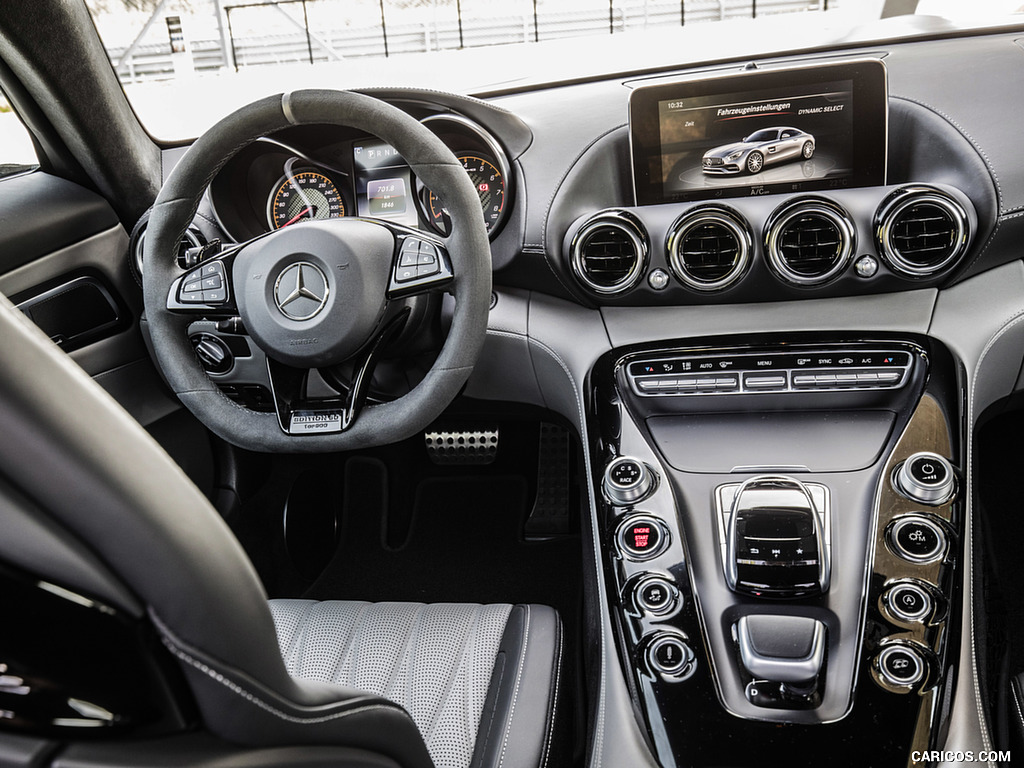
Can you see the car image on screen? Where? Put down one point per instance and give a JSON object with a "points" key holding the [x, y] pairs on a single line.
{"points": [[764, 147]]}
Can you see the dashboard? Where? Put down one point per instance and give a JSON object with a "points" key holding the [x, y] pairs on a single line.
{"points": [[832, 247]]}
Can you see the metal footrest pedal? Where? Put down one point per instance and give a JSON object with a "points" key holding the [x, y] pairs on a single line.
{"points": [[463, 446]]}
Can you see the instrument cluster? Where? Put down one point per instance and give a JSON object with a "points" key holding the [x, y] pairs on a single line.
{"points": [[322, 172]]}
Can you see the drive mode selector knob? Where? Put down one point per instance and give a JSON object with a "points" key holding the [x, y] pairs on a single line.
{"points": [[627, 481], [926, 477]]}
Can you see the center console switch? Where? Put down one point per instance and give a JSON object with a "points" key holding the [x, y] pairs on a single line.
{"points": [[776, 544]]}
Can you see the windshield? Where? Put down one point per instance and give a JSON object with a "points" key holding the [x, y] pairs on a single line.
{"points": [[184, 64], [766, 134]]}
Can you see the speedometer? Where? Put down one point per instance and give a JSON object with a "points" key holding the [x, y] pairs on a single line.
{"points": [[304, 195], [489, 184]]}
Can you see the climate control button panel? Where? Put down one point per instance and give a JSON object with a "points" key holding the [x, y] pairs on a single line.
{"points": [[824, 369]]}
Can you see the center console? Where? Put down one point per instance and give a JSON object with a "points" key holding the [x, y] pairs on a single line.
{"points": [[780, 523]]}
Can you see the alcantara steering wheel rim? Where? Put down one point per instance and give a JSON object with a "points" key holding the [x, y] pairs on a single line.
{"points": [[467, 247]]}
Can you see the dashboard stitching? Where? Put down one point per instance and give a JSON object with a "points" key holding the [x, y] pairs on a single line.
{"points": [[1007, 325], [515, 694], [595, 756], [969, 137], [1011, 215], [568, 170], [984, 248]]}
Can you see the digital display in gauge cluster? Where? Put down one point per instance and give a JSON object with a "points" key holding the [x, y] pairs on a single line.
{"points": [[785, 130], [383, 183]]}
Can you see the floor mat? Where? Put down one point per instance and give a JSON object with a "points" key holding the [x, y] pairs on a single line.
{"points": [[462, 542]]}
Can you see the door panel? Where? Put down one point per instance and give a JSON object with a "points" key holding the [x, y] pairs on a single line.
{"points": [[56, 237]]}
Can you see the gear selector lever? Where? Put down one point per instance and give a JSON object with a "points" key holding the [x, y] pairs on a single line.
{"points": [[775, 546]]}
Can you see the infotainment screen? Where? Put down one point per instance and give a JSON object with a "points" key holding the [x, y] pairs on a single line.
{"points": [[760, 131]]}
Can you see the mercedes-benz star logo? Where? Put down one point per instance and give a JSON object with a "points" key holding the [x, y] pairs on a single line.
{"points": [[301, 291]]}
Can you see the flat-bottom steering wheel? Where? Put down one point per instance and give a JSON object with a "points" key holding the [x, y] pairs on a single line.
{"points": [[318, 294]]}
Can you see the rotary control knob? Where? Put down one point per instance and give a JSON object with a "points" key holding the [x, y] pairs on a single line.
{"points": [[627, 481], [213, 353], [926, 477]]}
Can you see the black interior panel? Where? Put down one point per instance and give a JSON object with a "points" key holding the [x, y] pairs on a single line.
{"points": [[40, 214]]}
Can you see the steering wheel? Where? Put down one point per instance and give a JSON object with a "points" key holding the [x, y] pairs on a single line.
{"points": [[320, 293]]}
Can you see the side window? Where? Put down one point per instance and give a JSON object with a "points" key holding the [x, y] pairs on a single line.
{"points": [[17, 154]]}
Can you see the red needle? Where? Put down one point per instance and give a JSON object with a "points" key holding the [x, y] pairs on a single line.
{"points": [[297, 216]]}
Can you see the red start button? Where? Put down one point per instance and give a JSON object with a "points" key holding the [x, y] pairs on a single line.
{"points": [[641, 538]]}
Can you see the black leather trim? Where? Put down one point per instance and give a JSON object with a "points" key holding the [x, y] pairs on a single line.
{"points": [[518, 727], [33, 542]]}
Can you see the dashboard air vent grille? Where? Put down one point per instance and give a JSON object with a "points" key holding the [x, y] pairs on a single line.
{"points": [[921, 231], [810, 242], [609, 253], [709, 249]]}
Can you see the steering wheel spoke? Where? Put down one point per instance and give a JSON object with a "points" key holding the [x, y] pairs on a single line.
{"points": [[301, 415]]}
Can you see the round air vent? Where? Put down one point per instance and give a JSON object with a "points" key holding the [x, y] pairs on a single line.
{"points": [[921, 231], [709, 248], [809, 242], [609, 252]]}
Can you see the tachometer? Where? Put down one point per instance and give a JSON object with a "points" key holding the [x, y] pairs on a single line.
{"points": [[304, 195], [490, 186]]}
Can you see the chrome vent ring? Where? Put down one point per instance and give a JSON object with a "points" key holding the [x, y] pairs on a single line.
{"points": [[609, 252], [709, 248], [920, 231], [809, 242]]}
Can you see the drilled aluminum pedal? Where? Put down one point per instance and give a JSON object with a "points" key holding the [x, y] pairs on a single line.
{"points": [[473, 446]]}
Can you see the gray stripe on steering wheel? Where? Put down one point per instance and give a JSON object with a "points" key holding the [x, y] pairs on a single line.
{"points": [[286, 107]]}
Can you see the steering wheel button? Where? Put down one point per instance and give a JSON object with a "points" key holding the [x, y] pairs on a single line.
{"points": [[405, 274], [408, 259], [192, 287], [428, 254], [212, 283], [215, 297], [426, 270]]}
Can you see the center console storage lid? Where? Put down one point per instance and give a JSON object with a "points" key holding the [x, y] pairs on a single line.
{"points": [[828, 441]]}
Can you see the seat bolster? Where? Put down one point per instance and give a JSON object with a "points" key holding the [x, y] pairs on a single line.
{"points": [[239, 709], [518, 721]]}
